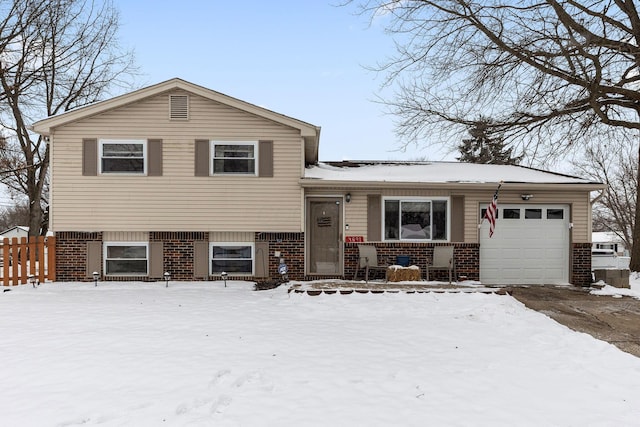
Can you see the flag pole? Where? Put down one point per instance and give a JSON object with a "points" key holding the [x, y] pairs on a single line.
{"points": [[485, 213]]}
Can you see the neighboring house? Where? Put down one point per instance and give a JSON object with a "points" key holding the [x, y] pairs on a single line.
{"points": [[609, 240], [16, 231], [179, 178]]}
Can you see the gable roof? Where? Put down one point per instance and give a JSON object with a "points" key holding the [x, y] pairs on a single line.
{"points": [[396, 174], [310, 133], [17, 228]]}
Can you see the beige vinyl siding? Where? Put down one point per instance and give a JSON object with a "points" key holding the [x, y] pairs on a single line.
{"points": [[231, 236], [356, 211], [177, 200], [125, 236], [578, 202]]}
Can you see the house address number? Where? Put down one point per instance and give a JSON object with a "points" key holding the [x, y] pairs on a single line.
{"points": [[354, 239]]}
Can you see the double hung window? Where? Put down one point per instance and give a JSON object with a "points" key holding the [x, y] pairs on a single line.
{"points": [[126, 258], [123, 156], [416, 219], [234, 158], [232, 258]]}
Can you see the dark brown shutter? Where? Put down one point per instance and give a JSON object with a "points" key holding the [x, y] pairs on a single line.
{"points": [[156, 259], [202, 157], [374, 218], [265, 158], [262, 259], [89, 157], [201, 259], [154, 163], [94, 258], [457, 219]]}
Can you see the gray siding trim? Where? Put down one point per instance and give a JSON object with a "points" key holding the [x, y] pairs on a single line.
{"points": [[457, 219], [201, 259], [154, 163], [94, 258], [262, 259], [156, 259], [374, 218], [90, 157], [202, 157], [265, 159]]}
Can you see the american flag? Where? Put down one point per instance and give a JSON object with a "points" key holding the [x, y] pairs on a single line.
{"points": [[492, 211]]}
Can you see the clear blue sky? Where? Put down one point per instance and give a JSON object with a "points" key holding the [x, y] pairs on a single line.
{"points": [[303, 59]]}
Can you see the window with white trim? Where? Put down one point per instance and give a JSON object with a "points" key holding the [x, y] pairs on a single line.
{"points": [[231, 157], [123, 156], [126, 258], [416, 219], [232, 257]]}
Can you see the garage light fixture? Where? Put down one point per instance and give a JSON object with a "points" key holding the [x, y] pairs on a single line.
{"points": [[526, 196]]}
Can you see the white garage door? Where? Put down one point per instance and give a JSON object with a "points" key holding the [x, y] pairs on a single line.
{"points": [[530, 245]]}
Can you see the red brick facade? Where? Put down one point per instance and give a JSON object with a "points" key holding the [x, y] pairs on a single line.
{"points": [[178, 251], [581, 264], [466, 255], [178, 256], [291, 248], [71, 255]]}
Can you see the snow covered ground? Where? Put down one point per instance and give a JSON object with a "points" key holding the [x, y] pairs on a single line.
{"points": [[200, 354]]}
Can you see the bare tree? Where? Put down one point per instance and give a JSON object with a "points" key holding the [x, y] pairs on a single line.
{"points": [[55, 55], [17, 214], [618, 168], [550, 73]]}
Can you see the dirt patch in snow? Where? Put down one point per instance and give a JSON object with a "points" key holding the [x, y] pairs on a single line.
{"points": [[612, 319]]}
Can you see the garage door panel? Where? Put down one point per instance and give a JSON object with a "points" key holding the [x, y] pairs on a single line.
{"points": [[526, 251]]}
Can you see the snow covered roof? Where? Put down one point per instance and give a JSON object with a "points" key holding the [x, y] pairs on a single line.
{"points": [[605, 237], [434, 173]]}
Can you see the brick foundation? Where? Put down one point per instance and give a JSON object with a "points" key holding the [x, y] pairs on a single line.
{"points": [[178, 252], [466, 255], [71, 255], [291, 248], [581, 264]]}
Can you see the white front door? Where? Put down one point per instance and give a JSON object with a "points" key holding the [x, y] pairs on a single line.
{"points": [[530, 245]]}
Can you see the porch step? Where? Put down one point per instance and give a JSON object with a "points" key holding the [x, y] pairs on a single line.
{"points": [[316, 292]]}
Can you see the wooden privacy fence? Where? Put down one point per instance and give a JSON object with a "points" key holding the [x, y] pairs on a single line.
{"points": [[21, 258]]}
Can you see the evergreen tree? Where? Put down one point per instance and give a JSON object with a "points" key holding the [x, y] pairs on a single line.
{"points": [[484, 147]]}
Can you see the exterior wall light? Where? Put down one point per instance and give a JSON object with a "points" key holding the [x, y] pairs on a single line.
{"points": [[347, 197], [526, 196]]}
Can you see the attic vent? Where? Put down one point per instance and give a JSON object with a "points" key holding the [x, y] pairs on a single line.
{"points": [[179, 105]]}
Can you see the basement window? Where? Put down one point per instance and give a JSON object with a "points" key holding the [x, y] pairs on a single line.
{"points": [[126, 259], [232, 258]]}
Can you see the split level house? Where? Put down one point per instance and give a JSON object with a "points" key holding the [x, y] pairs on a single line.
{"points": [[182, 179]]}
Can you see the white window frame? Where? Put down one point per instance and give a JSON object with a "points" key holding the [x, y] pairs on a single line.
{"points": [[104, 142], [223, 244], [405, 199], [105, 258], [212, 160]]}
